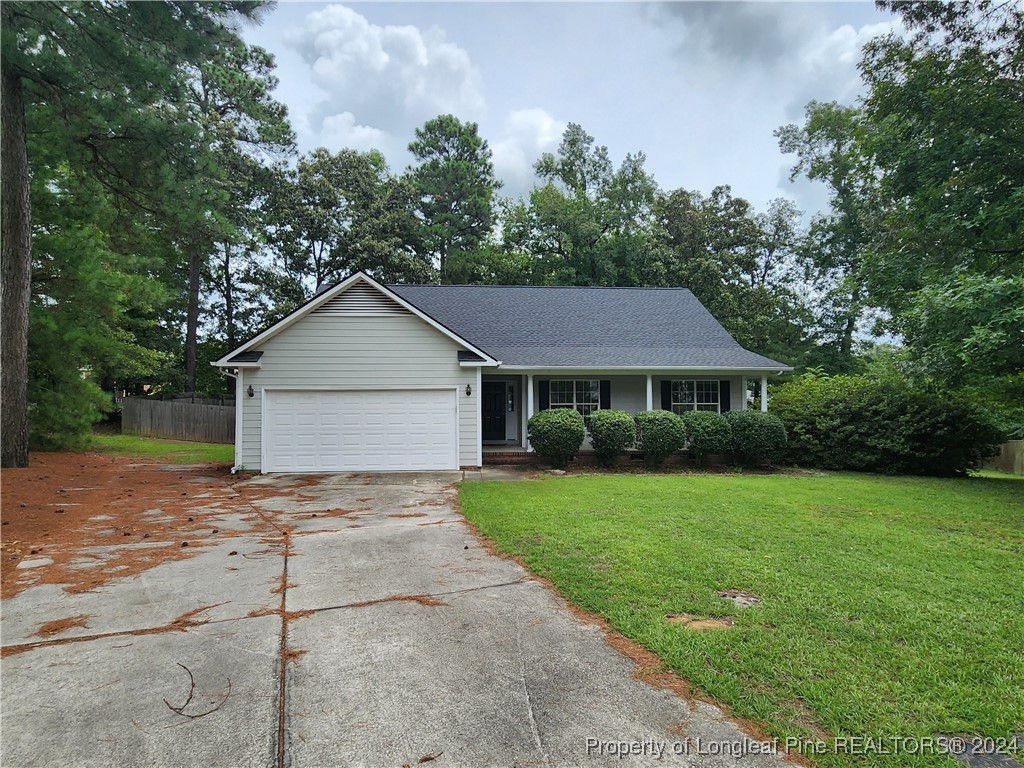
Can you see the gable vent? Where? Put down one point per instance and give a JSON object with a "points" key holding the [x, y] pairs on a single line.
{"points": [[361, 299]]}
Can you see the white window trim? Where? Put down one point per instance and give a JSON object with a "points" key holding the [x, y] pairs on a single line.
{"points": [[696, 402]]}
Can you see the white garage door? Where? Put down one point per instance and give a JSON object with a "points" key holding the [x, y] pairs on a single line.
{"points": [[350, 430]]}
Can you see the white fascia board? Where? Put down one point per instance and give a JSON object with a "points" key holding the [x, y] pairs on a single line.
{"points": [[229, 366], [326, 296], [480, 364]]}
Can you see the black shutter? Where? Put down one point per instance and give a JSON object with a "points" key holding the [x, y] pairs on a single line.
{"points": [[606, 394], [666, 395], [545, 394], [723, 394]]}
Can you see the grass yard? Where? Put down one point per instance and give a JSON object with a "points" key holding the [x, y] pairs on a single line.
{"points": [[892, 607], [169, 451]]}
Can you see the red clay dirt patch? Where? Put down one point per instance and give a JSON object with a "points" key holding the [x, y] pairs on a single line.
{"points": [[407, 514], [142, 514]]}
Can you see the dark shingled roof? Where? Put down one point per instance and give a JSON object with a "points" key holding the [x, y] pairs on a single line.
{"points": [[577, 327], [246, 357]]}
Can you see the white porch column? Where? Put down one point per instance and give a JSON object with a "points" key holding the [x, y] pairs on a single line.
{"points": [[764, 394], [650, 392], [529, 408]]}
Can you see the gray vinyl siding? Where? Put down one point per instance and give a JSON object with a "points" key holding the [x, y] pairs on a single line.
{"points": [[359, 351]]}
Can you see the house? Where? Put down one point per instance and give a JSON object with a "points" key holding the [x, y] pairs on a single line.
{"points": [[369, 377]]}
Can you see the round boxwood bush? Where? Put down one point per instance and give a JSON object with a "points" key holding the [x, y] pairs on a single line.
{"points": [[659, 434], [556, 434], [611, 433], [756, 436], [707, 432]]}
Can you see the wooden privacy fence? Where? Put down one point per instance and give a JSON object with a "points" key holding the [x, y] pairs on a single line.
{"points": [[178, 420], [1010, 458]]}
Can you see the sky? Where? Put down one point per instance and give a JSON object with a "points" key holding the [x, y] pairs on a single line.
{"points": [[698, 87]]}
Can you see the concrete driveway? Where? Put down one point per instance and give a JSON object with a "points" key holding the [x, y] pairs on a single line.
{"points": [[334, 621]]}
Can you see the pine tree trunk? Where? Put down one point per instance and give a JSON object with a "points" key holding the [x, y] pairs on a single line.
{"points": [[195, 274], [15, 274], [229, 301]]}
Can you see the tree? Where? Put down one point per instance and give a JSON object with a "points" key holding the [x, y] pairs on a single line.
{"points": [[16, 274], [345, 212], [588, 223], [738, 263], [946, 106], [101, 80], [829, 149], [229, 105], [454, 184]]}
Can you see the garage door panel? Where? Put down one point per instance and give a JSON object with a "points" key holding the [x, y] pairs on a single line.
{"points": [[351, 430]]}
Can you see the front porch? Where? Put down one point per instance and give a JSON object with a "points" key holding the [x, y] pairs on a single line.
{"points": [[509, 399]]}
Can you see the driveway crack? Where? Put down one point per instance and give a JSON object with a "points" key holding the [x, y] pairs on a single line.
{"points": [[283, 657], [534, 729]]}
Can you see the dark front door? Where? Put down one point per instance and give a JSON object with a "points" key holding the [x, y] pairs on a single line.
{"points": [[494, 410]]}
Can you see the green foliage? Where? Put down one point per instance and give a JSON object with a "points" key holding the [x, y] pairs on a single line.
{"points": [[611, 433], [707, 433], [756, 436], [853, 422], [659, 435], [344, 212], [829, 150], [926, 228], [136, 115], [588, 223], [454, 186], [557, 434], [966, 324], [737, 263], [63, 404]]}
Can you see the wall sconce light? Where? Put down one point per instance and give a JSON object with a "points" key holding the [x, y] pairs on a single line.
{"points": [[469, 390], [249, 391]]}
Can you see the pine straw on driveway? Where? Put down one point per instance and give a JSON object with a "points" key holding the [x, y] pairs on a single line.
{"points": [[126, 515]]}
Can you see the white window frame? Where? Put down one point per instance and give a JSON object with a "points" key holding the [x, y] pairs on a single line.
{"points": [[576, 404], [697, 404]]}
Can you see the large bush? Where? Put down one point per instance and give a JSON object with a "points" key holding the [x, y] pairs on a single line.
{"points": [[611, 433], [854, 422], [756, 436], [659, 434], [707, 433], [556, 434]]}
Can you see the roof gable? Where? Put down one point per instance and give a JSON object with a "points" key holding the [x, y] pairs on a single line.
{"points": [[367, 298]]}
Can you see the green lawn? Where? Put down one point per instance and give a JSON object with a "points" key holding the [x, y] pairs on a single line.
{"points": [[892, 606], [170, 451]]}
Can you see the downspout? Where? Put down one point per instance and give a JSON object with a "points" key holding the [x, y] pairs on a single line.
{"points": [[238, 386]]}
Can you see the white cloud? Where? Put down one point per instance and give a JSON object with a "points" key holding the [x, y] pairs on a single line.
{"points": [[527, 134], [381, 82], [826, 65], [341, 130]]}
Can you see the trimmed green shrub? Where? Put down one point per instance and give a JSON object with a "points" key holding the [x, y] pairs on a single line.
{"points": [[659, 434], [756, 436], [707, 432], [611, 433], [556, 434], [863, 424]]}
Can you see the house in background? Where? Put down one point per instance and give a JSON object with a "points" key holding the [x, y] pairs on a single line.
{"points": [[368, 377]]}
